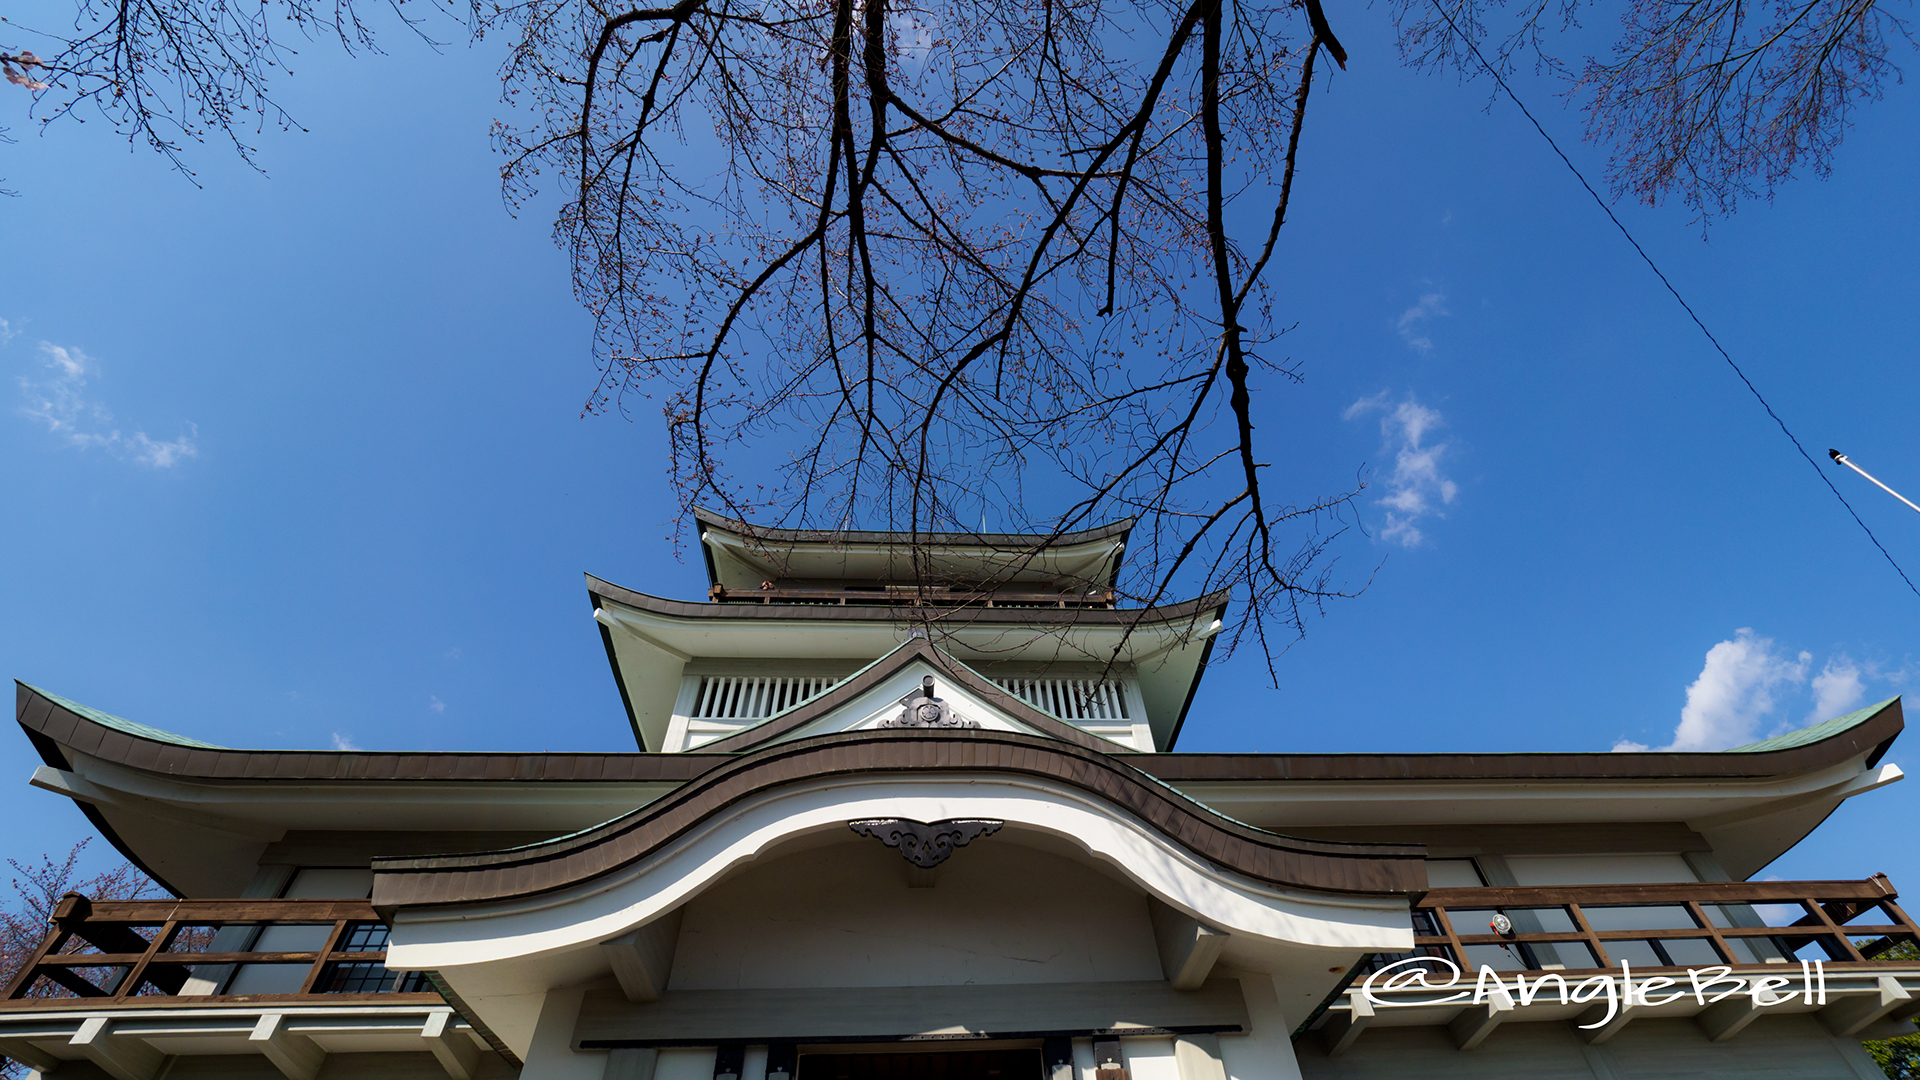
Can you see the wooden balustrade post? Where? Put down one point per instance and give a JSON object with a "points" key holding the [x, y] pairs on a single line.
{"points": [[1900, 917], [130, 981], [1833, 929], [320, 960], [1720, 945], [57, 936], [1453, 939], [1592, 938]]}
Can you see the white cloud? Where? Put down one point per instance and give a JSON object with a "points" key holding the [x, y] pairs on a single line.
{"points": [[912, 33], [1413, 319], [343, 742], [59, 399], [1837, 689], [7, 332], [1733, 694], [434, 703], [1416, 488]]}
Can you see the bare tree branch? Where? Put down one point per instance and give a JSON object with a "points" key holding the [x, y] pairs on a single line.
{"points": [[1714, 101], [916, 263]]}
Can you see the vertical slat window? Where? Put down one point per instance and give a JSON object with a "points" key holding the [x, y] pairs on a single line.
{"points": [[754, 697], [1072, 699]]}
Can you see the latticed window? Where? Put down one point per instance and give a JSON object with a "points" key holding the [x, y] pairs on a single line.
{"points": [[352, 978]]}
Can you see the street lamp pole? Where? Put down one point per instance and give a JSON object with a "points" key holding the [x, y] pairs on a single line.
{"points": [[1842, 459]]}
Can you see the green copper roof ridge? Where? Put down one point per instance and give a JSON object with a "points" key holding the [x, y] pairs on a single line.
{"points": [[121, 724], [1812, 733]]}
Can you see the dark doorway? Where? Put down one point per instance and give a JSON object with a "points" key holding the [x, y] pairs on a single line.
{"points": [[945, 1065]]}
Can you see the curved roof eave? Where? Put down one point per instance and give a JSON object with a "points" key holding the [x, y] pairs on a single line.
{"points": [[1867, 734], [704, 611], [1113, 530], [55, 730], [1150, 631], [1109, 539], [1319, 866], [30, 701]]}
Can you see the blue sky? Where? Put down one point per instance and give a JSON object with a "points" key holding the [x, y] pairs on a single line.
{"points": [[297, 460]]}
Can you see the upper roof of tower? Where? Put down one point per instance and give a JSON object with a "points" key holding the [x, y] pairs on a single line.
{"points": [[743, 557]]}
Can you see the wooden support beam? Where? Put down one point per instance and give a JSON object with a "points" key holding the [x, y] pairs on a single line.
{"points": [[643, 958], [1853, 1013], [1197, 1057], [1188, 947], [73, 981], [454, 1049], [631, 1064], [120, 1057], [1341, 1030], [1622, 1016], [26, 1053], [295, 1056], [1476, 1022], [1727, 1017]]}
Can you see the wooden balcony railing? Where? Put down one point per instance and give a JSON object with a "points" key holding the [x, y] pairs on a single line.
{"points": [[1581, 928], [158, 951], [911, 596]]}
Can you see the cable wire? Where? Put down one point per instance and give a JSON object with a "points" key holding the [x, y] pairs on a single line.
{"points": [[1684, 306]]}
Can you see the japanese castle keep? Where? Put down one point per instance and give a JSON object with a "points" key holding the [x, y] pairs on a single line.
{"points": [[879, 828]]}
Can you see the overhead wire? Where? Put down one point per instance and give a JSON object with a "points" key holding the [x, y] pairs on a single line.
{"points": [[1501, 82]]}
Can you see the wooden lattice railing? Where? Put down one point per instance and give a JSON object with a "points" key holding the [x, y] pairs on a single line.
{"points": [[154, 951], [1663, 927]]}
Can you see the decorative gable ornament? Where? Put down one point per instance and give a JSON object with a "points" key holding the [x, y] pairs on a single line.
{"points": [[923, 710], [926, 844]]}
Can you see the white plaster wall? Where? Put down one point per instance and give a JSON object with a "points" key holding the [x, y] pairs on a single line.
{"points": [[1599, 869], [1453, 874], [513, 1018], [1147, 1059], [1266, 1051], [844, 915], [551, 1055]]}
